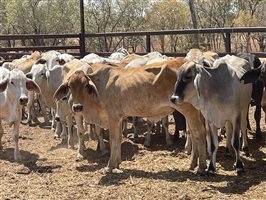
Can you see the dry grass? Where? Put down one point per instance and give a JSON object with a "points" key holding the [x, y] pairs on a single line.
{"points": [[49, 171]]}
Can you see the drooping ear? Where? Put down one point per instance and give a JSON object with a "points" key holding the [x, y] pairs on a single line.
{"points": [[91, 88], [32, 86], [206, 63], [62, 91], [41, 61], [197, 84], [3, 85], [251, 75]]}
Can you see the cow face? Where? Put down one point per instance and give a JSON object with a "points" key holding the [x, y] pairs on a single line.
{"points": [[80, 86], [186, 83], [63, 108], [19, 85], [39, 73], [255, 74]]}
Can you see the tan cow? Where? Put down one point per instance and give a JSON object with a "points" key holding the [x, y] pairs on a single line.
{"points": [[25, 64], [111, 94]]}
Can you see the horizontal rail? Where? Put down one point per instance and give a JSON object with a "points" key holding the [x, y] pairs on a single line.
{"points": [[37, 36], [183, 31], [37, 48]]}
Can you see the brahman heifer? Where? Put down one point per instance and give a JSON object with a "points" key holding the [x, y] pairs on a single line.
{"points": [[111, 94], [219, 95], [14, 87]]}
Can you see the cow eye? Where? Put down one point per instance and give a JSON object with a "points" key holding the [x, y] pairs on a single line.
{"points": [[12, 83], [64, 99]]}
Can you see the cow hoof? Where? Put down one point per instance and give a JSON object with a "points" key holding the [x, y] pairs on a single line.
{"points": [[56, 137], [169, 143], [79, 158], [147, 144], [246, 151], [104, 152], [18, 158], [201, 173], [210, 172], [240, 171], [258, 136], [114, 170]]}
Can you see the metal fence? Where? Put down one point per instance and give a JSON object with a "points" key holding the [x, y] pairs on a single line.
{"points": [[80, 49]]}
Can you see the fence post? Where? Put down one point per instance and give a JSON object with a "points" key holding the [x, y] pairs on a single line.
{"points": [[228, 42], [82, 30], [82, 45], [148, 43]]}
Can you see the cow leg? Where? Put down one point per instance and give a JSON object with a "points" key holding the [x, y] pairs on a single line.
{"points": [[208, 139], [124, 127], [103, 148], [63, 134], [80, 132], [43, 109], [257, 116], [188, 145], [214, 148], [244, 131], [165, 124], [15, 137], [198, 132], [135, 121], [1, 135], [93, 132], [115, 140], [147, 142], [236, 146], [69, 122], [229, 133]]}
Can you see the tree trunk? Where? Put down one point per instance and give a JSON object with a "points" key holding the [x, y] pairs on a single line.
{"points": [[194, 22]]}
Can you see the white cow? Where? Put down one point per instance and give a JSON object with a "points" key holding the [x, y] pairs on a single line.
{"points": [[14, 87], [219, 95]]}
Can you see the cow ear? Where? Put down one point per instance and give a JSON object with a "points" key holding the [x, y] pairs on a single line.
{"points": [[41, 61], [3, 85], [251, 75], [91, 88], [197, 84], [62, 91], [61, 61], [32, 86]]}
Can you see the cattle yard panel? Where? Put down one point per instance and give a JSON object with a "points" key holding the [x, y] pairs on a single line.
{"points": [[81, 51]]}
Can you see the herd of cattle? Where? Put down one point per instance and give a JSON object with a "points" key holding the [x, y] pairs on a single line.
{"points": [[203, 91]]}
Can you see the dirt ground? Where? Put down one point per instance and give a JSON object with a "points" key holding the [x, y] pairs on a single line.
{"points": [[49, 171]]}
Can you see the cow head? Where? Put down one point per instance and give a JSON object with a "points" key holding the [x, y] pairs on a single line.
{"points": [[187, 79], [19, 85], [255, 74], [63, 108], [80, 86], [39, 72]]}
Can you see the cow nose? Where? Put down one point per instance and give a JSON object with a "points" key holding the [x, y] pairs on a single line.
{"points": [[176, 99], [23, 101], [57, 118], [172, 99], [77, 107]]}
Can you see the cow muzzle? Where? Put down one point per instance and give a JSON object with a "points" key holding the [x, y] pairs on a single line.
{"points": [[77, 108], [23, 101], [176, 99]]}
